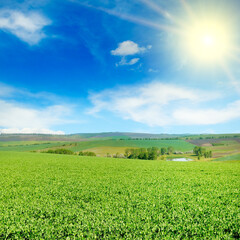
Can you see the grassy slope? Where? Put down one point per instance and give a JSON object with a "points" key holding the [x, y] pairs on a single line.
{"points": [[215, 136], [230, 147], [233, 157], [55, 196], [179, 145], [28, 145], [103, 151]]}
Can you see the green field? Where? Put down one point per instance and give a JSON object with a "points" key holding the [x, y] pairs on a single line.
{"points": [[21, 146], [47, 196], [24, 146], [178, 145], [229, 158]]}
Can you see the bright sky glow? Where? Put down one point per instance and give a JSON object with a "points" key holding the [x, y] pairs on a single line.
{"points": [[208, 41], [133, 66]]}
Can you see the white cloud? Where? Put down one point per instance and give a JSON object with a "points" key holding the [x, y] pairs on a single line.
{"points": [[29, 131], [152, 70], [17, 114], [9, 92], [207, 116], [129, 63], [161, 104], [5, 90], [127, 48], [26, 26]]}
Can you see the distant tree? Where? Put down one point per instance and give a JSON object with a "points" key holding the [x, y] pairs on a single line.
{"points": [[155, 149], [142, 153], [170, 150], [163, 151], [199, 150], [152, 153], [208, 154], [90, 154], [195, 150], [60, 151], [127, 153]]}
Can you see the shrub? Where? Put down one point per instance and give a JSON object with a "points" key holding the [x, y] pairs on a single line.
{"points": [[90, 154], [60, 151]]}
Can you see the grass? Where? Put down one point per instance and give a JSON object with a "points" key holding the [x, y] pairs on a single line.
{"points": [[233, 157], [109, 144], [47, 196], [103, 151], [29, 145], [228, 148], [178, 145]]}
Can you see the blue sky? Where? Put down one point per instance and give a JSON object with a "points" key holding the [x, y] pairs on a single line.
{"points": [[71, 66]]}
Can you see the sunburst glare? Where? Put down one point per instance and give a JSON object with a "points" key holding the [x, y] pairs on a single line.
{"points": [[207, 41]]}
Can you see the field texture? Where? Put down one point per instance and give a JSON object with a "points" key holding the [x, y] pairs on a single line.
{"points": [[229, 158], [178, 145], [28, 145], [101, 144], [47, 196], [224, 148]]}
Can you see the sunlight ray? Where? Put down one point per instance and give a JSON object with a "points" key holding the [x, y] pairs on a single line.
{"points": [[237, 49], [188, 9], [234, 82], [163, 12], [234, 57], [140, 21], [134, 19], [159, 10]]}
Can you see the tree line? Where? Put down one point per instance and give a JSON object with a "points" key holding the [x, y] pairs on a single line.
{"points": [[151, 138], [202, 152], [69, 152], [147, 153]]}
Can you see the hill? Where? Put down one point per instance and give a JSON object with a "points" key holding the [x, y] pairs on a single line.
{"points": [[84, 136]]}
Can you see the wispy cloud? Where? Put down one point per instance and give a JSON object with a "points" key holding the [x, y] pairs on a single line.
{"points": [[29, 131], [130, 18], [155, 7], [26, 26], [20, 116], [128, 48], [161, 104], [151, 70], [207, 116], [10, 92], [125, 62]]}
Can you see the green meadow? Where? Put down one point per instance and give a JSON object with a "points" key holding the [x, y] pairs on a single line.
{"points": [[23, 146], [233, 157], [48, 196], [179, 145], [101, 146]]}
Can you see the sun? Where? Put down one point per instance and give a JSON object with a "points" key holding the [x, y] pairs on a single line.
{"points": [[207, 41]]}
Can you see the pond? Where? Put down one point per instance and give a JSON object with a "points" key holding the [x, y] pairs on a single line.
{"points": [[180, 160]]}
